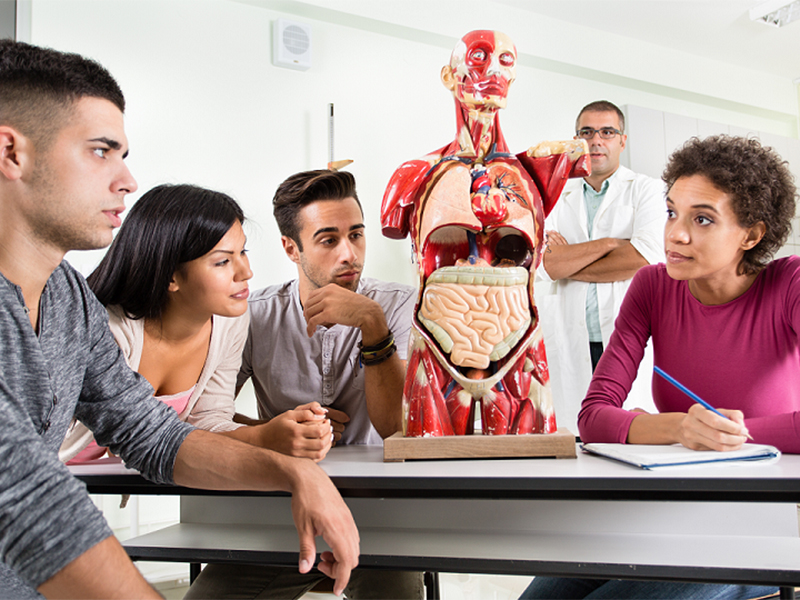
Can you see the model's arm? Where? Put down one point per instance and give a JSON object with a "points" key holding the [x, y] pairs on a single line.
{"points": [[333, 304], [563, 260], [209, 461], [618, 265]]}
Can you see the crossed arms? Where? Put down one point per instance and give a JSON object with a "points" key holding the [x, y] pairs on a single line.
{"points": [[596, 261]]}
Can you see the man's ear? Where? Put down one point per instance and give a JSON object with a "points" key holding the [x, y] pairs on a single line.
{"points": [[754, 235], [291, 249], [16, 153]]}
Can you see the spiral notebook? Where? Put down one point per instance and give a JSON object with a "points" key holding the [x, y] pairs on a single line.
{"points": [[655, 457]]}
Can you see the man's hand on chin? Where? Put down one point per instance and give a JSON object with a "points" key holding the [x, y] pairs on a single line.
{"points": [[334, 305]]}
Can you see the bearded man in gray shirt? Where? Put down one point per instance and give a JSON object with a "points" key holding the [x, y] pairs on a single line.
{"points": [[327, 346], [62, 187]]}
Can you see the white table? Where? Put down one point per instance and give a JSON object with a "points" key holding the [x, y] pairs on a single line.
{"points": [[584, 517]]}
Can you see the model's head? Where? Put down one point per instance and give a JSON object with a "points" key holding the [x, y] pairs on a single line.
{"points": [[39, 87], [755, 179], [168, 227], [302, 189], [482, 67]]}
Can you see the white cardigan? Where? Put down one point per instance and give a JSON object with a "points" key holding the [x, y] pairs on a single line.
{"points": [[211, 405]]}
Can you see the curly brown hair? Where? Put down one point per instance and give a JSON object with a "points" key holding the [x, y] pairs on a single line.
{"points": [[758, 181]]}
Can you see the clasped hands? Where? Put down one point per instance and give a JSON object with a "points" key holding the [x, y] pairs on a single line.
{"points": [[308, 431]]}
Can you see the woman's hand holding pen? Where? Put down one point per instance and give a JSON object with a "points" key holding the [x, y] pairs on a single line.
{"points": [[701, 429]]}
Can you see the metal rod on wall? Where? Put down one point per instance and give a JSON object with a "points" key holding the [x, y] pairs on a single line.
{"points": [[330, 133]]}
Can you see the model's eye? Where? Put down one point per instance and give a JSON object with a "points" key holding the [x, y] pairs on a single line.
{"points": [[222, 263], [507, 59], [670, 213], [478, 55], [101, 152]]}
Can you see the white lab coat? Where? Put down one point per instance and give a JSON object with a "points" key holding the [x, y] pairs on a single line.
{"points": [[634, 209]]}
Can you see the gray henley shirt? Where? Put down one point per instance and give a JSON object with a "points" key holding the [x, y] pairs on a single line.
{"points": [[289, 368], [73, 367]]}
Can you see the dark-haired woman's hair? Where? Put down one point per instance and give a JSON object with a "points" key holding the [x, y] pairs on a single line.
{"points": [[758, 181], [168, 226]]}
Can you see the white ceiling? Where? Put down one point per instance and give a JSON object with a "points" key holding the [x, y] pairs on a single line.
{"points": [[718, 29]]}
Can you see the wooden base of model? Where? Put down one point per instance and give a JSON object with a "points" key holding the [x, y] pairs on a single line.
{"points": [[561, 444]]}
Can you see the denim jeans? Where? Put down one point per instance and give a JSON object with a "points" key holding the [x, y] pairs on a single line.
{"points": [[615, 589]]}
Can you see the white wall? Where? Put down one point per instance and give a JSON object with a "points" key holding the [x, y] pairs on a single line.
{"points": [[206, 106], [654, 135]]}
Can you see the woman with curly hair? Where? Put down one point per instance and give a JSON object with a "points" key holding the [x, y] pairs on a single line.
{"points": [[723, 320]]}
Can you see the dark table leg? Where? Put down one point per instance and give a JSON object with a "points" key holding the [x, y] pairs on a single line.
{"points": [[431, 579], [194, 571]]}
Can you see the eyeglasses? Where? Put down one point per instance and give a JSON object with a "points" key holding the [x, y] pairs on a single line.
{"points": [[606, 133]]}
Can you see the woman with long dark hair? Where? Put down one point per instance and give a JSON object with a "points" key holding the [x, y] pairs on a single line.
{"points": [[174, 282]]}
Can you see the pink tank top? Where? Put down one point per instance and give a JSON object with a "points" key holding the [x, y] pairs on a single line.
{"points": [[177, 402]]}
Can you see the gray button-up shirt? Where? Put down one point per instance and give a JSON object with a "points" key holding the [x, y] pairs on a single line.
{"points": [[289, 368], [73, 367]]}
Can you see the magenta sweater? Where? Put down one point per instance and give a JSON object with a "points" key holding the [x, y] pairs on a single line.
{"points": [[741, 355]]}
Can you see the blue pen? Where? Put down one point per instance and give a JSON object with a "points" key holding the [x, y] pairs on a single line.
{"points": [[690, 393]]}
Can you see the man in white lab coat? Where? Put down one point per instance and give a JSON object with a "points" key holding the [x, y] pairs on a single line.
{"points": [[603, 229]]}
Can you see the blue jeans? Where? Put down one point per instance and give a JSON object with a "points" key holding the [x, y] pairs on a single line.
{"points": [[550, 588]]}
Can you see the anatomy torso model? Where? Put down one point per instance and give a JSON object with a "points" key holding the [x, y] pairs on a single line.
{"points": [[476, 214]]}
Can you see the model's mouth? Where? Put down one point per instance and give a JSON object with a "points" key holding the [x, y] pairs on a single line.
{"points": [[242, 295]]}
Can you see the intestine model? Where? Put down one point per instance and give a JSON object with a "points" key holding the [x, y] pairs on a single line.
{"points": [[475, 214]]}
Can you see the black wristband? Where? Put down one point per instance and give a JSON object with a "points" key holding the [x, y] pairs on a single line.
{"points": [[379, 347], [376, 359]]}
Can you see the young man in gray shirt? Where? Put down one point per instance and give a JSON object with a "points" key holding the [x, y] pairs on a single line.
{"points": [[329, 344], [62, 187]]}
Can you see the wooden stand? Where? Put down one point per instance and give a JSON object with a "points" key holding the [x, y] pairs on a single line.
{"points": [[561, 444]]}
